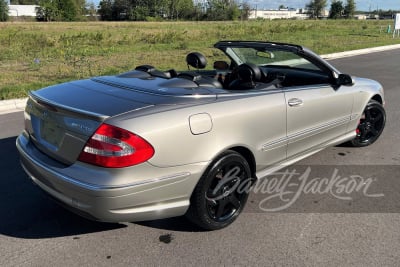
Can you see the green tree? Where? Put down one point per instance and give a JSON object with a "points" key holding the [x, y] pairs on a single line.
{"points": [[315, 8], [336, 10], [60, 10], [245, 11], [350, 9], [180, 9], [3, 10], [80, 8], [91, 11], [68, 10], [105, 9], [222, 10], [23, 2], [47, 10], [139, 12], [169, 9]]}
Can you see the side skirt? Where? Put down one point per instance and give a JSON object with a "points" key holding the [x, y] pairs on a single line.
{"points": [[276, 167]]}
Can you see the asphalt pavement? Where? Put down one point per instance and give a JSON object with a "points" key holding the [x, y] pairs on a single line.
{"points": [[34, 231]]}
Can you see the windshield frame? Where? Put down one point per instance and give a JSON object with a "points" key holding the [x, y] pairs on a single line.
{"points": [[226, 47]]}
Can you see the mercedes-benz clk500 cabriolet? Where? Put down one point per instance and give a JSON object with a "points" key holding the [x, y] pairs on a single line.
{"points": [[150, 144]]}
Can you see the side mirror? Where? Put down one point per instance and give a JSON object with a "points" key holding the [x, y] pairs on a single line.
{"points": [[344, 79]]}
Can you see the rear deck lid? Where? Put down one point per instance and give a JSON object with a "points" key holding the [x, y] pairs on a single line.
{"points": [[60, 119]]}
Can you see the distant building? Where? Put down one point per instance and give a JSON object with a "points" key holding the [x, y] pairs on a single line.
{"points": [[360, 17], [200, 2], [325, 13], [271, 14], [22, 10]]}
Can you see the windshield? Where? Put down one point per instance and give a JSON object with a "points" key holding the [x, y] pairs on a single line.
{"points": [[270, 57]]}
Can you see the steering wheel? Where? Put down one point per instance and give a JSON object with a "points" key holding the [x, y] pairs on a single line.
{"points": [[245, 76]]}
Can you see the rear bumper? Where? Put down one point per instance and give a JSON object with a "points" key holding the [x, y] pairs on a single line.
{"points": [[157, 193]]}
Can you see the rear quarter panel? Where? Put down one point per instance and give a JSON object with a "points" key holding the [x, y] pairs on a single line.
{"points": [[250, 121]]}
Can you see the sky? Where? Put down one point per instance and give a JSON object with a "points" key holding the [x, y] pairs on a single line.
{"points": [[363, 5]]}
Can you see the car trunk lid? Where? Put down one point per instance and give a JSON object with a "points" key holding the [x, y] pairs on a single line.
{"points": [[60, 119]]}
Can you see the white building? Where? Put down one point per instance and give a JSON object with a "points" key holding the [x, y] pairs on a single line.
{"points": [[200, 2], [361, 17], [278, 14], [22, 10]]}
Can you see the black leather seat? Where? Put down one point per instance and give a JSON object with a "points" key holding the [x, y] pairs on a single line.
{"points": [[198, 61], [157, 73]]}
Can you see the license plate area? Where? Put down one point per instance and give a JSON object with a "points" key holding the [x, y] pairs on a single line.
{"points": [[51, 133]]}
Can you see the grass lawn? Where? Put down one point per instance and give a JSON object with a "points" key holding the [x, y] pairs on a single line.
{"points": [[34, 55]]}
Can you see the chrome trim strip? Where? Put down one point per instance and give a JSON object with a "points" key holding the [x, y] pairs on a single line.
{"points": [[248, 93], [307, 87], [98, 187], [285, 163], [152, 208], [305, 133], [94, 115], [354, 117], [275, 144], [319, 128]]}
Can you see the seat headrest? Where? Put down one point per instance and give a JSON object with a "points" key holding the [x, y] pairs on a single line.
{"points": [[146, 68], [196, 60]]}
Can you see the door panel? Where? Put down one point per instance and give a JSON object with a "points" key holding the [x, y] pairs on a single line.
{"points": [[272, 130], [257, 121], [316, 115], [262, 122]]}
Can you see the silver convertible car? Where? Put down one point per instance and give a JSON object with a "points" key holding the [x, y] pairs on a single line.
{"points": [[151, 144]]}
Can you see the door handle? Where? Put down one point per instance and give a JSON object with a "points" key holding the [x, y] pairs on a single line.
{"points": [[294, 102]]}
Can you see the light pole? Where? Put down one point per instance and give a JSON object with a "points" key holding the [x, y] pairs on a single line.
{"points": [[256, 2]]}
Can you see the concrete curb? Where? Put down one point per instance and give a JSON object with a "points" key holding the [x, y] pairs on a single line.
{"points": [[12, 105], [15, 105], [360, 52]]}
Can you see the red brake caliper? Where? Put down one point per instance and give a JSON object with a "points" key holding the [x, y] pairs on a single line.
{"points": [[358, 130]]}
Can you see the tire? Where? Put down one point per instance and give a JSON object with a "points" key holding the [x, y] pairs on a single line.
{"points": [[371, 124], [221, 193]]}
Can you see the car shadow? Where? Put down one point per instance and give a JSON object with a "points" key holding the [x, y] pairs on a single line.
{"points": [[177, 224], [27, 212]]}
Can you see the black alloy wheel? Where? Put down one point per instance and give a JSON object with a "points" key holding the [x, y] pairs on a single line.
{"points": [[222, 192], [371, 124]]}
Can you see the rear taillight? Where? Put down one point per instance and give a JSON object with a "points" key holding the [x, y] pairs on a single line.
{"points": [[113, 147]]}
